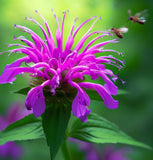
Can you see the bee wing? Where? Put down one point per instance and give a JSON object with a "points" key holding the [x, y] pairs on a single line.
{"points": [[142, 20], [123, 29], [130, 12], [140, 13]]}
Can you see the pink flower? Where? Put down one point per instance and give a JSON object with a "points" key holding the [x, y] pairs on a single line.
{"points": [[52, 65]]}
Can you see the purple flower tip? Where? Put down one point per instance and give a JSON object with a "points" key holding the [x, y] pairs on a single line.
{"points": [[14, 37], [53, 65], [64, 12], [52, 10], [76, 19]]}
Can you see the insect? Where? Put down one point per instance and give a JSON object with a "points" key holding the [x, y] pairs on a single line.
{"points": [[119, 31], [136, 17]]}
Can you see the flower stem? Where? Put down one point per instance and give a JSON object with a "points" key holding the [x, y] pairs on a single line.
{"points": [[65, 151]]}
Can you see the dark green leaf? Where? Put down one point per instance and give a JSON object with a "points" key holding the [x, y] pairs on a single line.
{"points": [[122, 92], [24, 129], [23, 91], [100, 130], [55, 121]]}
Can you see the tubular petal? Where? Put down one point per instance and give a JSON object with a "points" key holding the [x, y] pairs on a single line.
{"points": [[35, 100], [80, 109], [107, 98]]}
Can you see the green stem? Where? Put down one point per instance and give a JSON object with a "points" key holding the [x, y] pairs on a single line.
{"points": [[65, 151]]}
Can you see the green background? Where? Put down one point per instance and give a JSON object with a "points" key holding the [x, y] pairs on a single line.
{"points": [[135, 112]]}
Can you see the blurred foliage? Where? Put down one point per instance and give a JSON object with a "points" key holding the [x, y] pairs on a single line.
{"points": [[134, 114]]}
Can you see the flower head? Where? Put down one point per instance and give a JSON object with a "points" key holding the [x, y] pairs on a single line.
{"points": [[55, 67], [14, 113]]}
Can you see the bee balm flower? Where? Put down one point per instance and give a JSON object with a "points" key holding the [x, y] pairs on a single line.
{"points": [[56, 67]]}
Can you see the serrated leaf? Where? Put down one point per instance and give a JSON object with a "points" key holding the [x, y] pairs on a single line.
{"points": [[100, 130], [23, 91], [24, 129], [55, 121]]}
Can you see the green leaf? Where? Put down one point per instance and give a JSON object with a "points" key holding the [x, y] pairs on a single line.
{"points": [[55, 121], [23, 91], [122, 92], [24, 129], [100, 130]]}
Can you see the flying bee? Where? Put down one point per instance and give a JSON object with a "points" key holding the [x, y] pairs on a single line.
{"points": [[136, 17], [119, 31]]}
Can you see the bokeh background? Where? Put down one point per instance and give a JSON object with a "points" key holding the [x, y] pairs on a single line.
{"points": [[135, 112]]}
